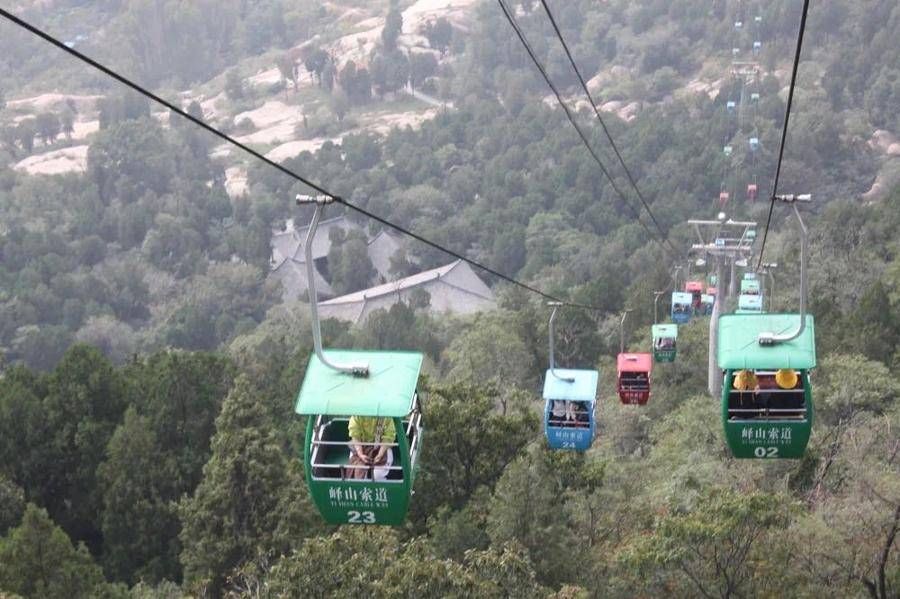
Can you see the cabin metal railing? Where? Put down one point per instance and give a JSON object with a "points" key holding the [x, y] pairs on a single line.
{"points": [[317, 444]]}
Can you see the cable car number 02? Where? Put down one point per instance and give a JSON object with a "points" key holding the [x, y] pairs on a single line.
{"points": [[354, 517], [766, 452]]}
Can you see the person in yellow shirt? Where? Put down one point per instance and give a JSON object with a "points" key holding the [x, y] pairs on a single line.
{"points": [[368, 447], [745, 380]]}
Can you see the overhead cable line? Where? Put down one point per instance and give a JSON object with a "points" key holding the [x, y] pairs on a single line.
{"points": [[784, 131], [612, 143], [318, 188], [515, 25]]}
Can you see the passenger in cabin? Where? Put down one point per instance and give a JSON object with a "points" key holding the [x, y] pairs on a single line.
{"points": [[635, 381], [792, 396], [745, 380], [558, 412], [568, 413], [369, 450], [579, 414], [665, 343]]}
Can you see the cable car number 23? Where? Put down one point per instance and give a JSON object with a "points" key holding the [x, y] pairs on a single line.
{"points": [[766, 452], [354, 517]]}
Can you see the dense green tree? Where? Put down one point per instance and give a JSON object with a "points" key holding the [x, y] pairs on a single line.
{"points": [[47, 126], [709, 549], [439, 34], [251, 501], [26, 131], [38, 560], [348, 261], [393, 27], [139, 523], [459, 458], [12, 504], [527, 509], [421, 67]]}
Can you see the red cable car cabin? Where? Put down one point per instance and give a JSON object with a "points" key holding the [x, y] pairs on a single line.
{"points": [[633, 380], [723, 199], [695, 288], [752, 190]]}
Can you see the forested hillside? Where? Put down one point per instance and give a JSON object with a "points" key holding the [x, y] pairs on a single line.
{"points": [[148, 441]]}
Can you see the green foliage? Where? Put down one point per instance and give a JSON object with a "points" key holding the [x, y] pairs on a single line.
{"points": [[251, 501], [38, 560], [393, 27], [140, 524], [12, 504], [348, 261], [461, 457], [710, 548]]}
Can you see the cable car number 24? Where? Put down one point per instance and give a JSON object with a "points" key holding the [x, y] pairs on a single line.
{"points": [[766, 452], [354, 517]]}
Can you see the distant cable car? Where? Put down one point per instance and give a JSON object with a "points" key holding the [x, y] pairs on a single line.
{"points": [[372, 394], [751, 235], [723, 198], [681, 307], [754, 144], [632, 372], [707, 302], [752, 190], [665, 339], [757, 47], [767, 405], [730, 106], [728, 150], [749, 287], [757, 19], [735, 51], [634, 377], [569, 401], [754, 97], [738, 24], [749, 304], [695, 288], [713, 280]]}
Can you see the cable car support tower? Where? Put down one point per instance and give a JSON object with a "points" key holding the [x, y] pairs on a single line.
{"points": [[729, 243]]}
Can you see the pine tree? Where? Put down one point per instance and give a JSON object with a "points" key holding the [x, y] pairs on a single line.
{"points": [[38, 560], [251, 502]]}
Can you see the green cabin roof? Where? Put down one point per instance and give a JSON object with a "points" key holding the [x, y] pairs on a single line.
{"points": [[583, 388], [739, 346], [388, 391], [664, 330]]}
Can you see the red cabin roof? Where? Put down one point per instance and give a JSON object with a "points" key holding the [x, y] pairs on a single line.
{"points": [[634, 362], [693, 286]]}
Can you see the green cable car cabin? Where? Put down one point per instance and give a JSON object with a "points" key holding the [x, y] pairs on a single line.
{"points": [[385, 405], [750, 287], [665, 338], [707, 302], [749, 304], [767, 406]]}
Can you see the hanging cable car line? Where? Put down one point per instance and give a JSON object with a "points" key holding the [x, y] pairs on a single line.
{"points": [[612, 143], [318, 188], [537, 63], [787, 117]]}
